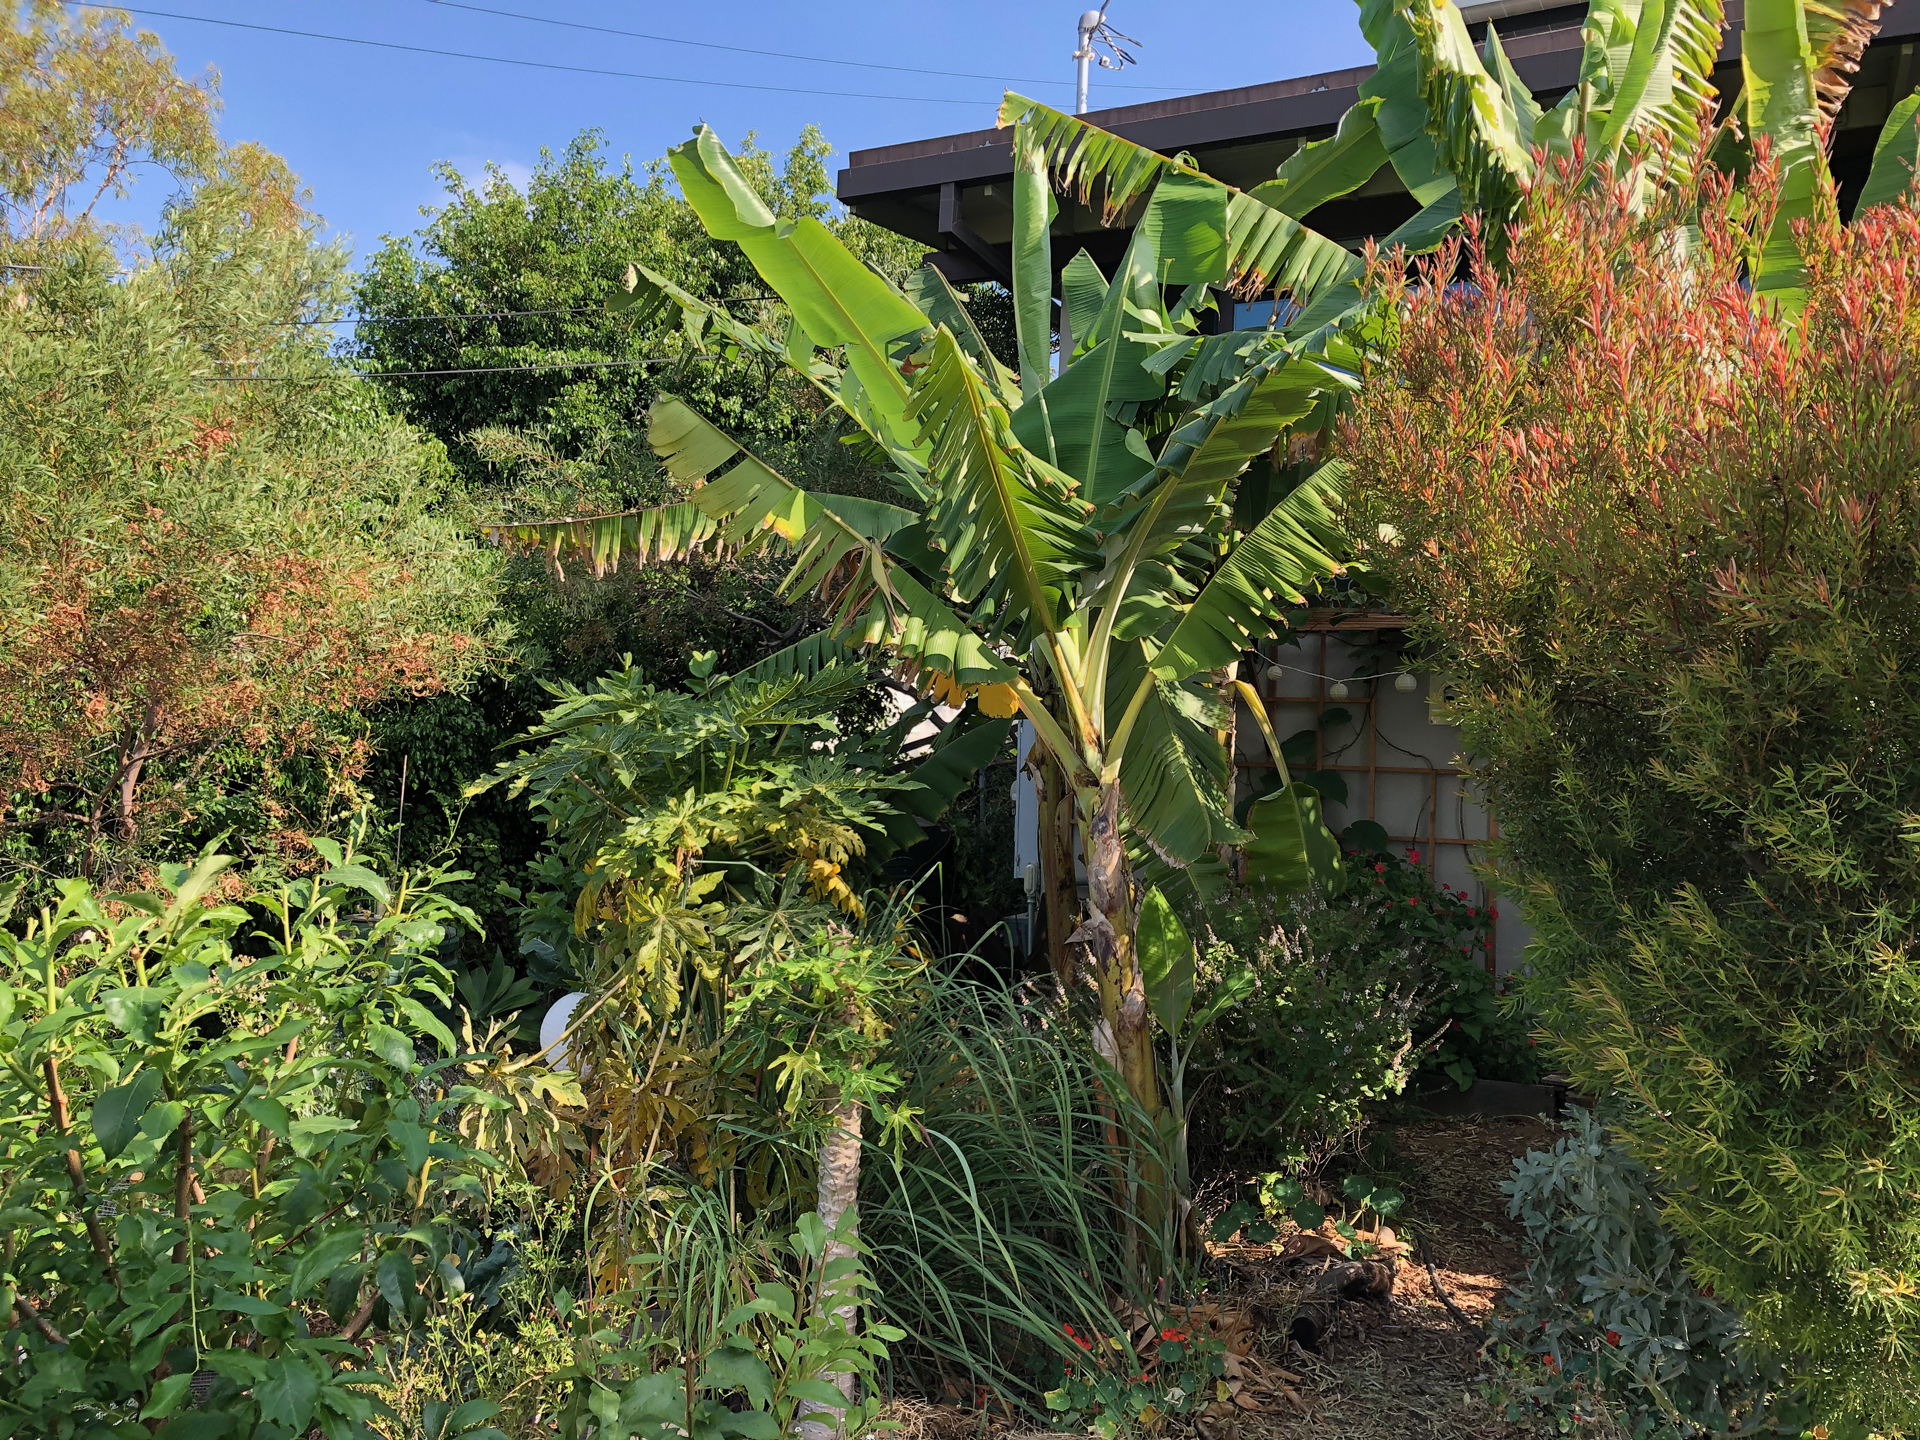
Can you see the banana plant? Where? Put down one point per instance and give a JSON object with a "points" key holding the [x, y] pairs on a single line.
{"points": [[1066, 544], [1466, 137]]}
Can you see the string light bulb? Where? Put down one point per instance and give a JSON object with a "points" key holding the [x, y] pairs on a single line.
{"points": [[1405, 683], [1338, 690]]}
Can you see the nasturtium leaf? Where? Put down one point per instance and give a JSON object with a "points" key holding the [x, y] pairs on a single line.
{"points": [[117, 1112]]}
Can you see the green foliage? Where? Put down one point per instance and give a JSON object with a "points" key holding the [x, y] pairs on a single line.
{"points": [[215, 1133], [1328, 1028], [1685, 682], [754, 1370], [1114, 1387], [1606, 1307], [202, 577], [1468, 1028], [1009, 1210]]}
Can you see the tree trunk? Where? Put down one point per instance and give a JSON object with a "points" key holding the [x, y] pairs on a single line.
{"points": [[1109, 934], [839, 1198], [1057, 890], [1230, 740]]}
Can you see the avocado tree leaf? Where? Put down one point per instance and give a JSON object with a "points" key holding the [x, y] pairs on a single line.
{"points": [[117, 1112]]}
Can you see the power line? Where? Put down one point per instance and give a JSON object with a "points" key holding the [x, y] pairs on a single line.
{"points": [[469, 370], [510, 60], [769, 54]]}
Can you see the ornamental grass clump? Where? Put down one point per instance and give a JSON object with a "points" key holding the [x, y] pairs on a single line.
{"points": [[1666, 541]]}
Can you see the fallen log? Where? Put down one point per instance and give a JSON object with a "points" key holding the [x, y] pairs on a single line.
{"points": [[1348, 1280]]}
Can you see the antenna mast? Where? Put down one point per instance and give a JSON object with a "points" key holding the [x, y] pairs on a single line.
{"points": [[1095, 29]]}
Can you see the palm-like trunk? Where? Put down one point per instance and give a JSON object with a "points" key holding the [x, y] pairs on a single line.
{"points": [[839, 1199]]}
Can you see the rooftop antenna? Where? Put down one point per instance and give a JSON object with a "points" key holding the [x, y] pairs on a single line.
{"points": [[1094, 29]]}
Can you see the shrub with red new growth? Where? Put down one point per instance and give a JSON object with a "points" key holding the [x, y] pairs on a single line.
{"points": [[1670, 546]]}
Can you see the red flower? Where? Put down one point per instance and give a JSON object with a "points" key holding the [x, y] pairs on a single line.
{"points": [[1463, 895], [1613, 1337], [1414, 856], [1413, 899], [1173, 1334], [1378, 868], [1464, 950], [1493, 914]]}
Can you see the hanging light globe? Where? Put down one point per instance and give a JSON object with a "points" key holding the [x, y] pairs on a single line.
{"points": [[1339, 690], [1405, 683]]}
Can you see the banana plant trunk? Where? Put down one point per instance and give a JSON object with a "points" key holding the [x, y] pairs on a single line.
{"points": [[1058, 892], [1109, 935]]}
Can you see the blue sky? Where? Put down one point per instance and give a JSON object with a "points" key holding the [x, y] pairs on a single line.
{"points": [[363, 126]]}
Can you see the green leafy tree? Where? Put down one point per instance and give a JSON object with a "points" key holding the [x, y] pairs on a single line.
{"points": [[213, 546], [214, 1129]]}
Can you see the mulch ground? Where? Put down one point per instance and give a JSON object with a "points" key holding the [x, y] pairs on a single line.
{"points": [[1398, 1368], [1403, 1368]]}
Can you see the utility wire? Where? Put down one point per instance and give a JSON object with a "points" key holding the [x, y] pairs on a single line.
{"points": [[771, 54], [510, 60], [469, 370]]}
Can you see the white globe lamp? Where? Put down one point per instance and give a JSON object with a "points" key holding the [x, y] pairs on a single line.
{"points": [[555, 1025]]}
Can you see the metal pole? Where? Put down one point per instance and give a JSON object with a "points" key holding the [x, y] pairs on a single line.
{"points": [[1083, 59]]}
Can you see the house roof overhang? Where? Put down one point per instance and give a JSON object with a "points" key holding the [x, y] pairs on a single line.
{"points": [[953, 193]]}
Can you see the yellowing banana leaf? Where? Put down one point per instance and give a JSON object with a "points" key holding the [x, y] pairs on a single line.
{"points": [[1838, 33], [887, 606], [654, 535], [1894, 157], [835, 298]]}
